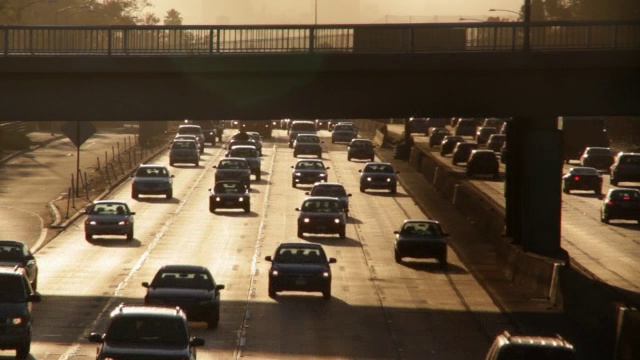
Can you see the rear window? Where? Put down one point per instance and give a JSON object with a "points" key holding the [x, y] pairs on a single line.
{"points": [[585, 171], [192, 130], [151, 172], [625, 195], [300, 256], [232, 165], [599, 151], [630, 160], [303, 127], [535, 353], [145, 330], [317, 165]]}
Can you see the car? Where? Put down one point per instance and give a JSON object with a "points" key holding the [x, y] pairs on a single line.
{"points": [[308, 171], [417, 125], [483, 133], [465, 127], [582, 178], [249, 153], [233, 168], [361, 149], [622, 204], [16, 253], [437, 122], [257, 139], [462, 152], [378, 175], [210, 128], [297, 127], [146, 332], [343, 133], [241, 142], [437, 135], [307, 144], [529, 347], [190, 137], [193, 130], [625, 168], [322, 215], [323, 124], [496, 141], [184, 151], [192, 288], [420, 239], [483, 162], [333, 189], [152, 179], [503, 153], [449, 143], [16, 298], [494, 122], [300, 267], [108, 217], [229, 194], [600, 158]]}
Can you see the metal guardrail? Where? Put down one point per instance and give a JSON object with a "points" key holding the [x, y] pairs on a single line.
{"points": [[206, 40]]}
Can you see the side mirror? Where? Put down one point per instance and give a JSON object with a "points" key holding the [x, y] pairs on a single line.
{"points": [[35, 297], [297, 209], [327, 168], [96, 338], [293, 167], [215, 166], [396, 232], [360, 170], [219, 287], [332, 260], [268, 258], [172, 176], [132, 213], [348, 194], [307, 193], [145, 284], [196, 341]]}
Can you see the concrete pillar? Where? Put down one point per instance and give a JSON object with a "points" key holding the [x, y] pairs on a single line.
{"points": [[541, 158], [512, 183]]}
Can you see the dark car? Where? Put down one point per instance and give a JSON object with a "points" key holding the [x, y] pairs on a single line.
{"points": [[16, 298], [582, 178], [496, 141], [483, 133], [421, 239], [146, 332], [623, 204], [300, 267], [494, 122], [308, 171], [343, 133], [378, 175], [530, 347], [307, 144], [361, 149], [16, 253], [257, 139], [438, 122], [249, 153], [462, 152], [483, 162], [465, 127], [210, 128], [193, 130], [233, 169], [335, 190], [108, 217], [298, 127], [323, 124], [229, 194], [437, 135], [184, 151], [190, 287], [322, 215], [152, 180], [625, 168], [449, 143], [600, 158], [417, 125]]}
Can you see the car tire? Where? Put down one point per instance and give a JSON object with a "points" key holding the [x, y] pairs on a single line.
{"points": [[247, 208], [326, 293], [362, 189], [293, 183], [443, 260], [566, 190], [258, 176], [130, 236], [88, 236], [454, 163], [295, 154], [372, 159], [35, 284], [342, 233], [213, 323], [597, 191], [212, 209], [348, 158], [604, 218], [397, 256], [319, 155], [272, 291], [613, 182], [394, 189], [22, 351], [169, 195], [134, 195], [197, 163], [171, 163], [300, 233]]}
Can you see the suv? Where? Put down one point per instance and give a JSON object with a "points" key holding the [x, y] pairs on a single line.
{"points": [[141, 332], [361, 149], [184, 151], [505, 347], [16, 296], [193, 130], [625, 168], [14, 253], [152, 179], [298, 127]]}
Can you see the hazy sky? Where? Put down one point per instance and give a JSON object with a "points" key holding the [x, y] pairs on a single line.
{"points": [[330, 11]]}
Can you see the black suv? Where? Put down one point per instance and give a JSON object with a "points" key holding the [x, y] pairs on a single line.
{"points": [[625, 168], [141, 332], [14, 253], [16, 296]]}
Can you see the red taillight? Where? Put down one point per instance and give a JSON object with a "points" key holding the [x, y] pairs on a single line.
{"points": [[626, 198], [576, 178], [610, 202]]}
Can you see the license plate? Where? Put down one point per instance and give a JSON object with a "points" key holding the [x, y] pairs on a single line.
{"points": [[301, 281], [229, 203]]}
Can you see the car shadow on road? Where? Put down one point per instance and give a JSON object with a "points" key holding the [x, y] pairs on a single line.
{"points": [[158, 199], [294, 298], [114, 242], [588, 195], [385, 193], [235, 213], [434, 267], [625, 224], [330, 240], [353, 220]]}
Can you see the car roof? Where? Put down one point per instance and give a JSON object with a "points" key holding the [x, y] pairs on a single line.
{"points": [[234, 159], [12, 242], [152, 166], [309, 160], [407, 221], [184, 267], [378, 163], [301, 245], [123, 309], [244, 147], [328, 184], [362, 140], [532, 340], [109, 202], [322, 198]]}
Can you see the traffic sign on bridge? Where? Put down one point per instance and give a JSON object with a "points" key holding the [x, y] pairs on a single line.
{"points": [[78, 131]]}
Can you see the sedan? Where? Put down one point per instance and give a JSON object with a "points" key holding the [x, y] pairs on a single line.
{"points": [[462, 152], [322, 215], [483, 162], [621, 204], [16, 253], [378, 175], [308, 171], [449, 143], [343, 133], [229, 194], [335, 190], [249, 153], [233, 169], [600, 158], [300, 267], [108, 217], [437, 135], [361, 149], [423, 239], [152, 179], [190, 287], [582, 178], [307, 144]]}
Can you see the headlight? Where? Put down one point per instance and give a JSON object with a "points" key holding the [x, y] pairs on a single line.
{"points": [[322, 175], [241, 199], [274, 273], [368, 179], [337, 220], [123, 222], [93, 222], [17, 321], [298, 174], [306, 220], [218, 198], [388, 179], [325, 274]]}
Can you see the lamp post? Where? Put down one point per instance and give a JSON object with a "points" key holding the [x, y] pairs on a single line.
{"points": [[83, 7], [470, 19], [510, 11], [315, 12]]}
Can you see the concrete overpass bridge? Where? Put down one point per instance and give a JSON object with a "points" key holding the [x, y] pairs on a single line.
{"points": [[532, 72]]}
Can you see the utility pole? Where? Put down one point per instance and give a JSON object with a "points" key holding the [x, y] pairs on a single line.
{"points": [[526, 17]]}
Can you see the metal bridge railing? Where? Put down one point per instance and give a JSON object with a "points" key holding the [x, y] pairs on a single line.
{"points": [[374, 38]]}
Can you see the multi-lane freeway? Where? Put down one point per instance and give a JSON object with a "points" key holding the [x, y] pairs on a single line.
{"points": [[380, 309]]}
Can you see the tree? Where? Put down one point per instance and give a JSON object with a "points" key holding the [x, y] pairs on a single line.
{"points": [[173, 17]]}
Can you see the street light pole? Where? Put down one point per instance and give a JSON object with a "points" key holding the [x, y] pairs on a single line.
{"points": [[510, 11], [315, 12], [470, 19]]}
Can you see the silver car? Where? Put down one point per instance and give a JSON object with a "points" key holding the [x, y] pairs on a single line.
{"points": [[249, 153], [153, 180], [233, 168], [331, 189], [108, 217], [193, 130]]}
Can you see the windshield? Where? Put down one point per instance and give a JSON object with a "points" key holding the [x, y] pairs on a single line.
{"points": [[109, 209], [11, 253], [183, 280], [300, 256], [183, 145], [308, 139], [310, 165], [232, 165], [421, 228], [229, 188], [148, 330], [381, 168], [335, 191], [599, 151], [12, 289], [152, 172], [322, 206]]}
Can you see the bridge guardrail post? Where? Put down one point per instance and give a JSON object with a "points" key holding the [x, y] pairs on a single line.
{"points": [[312, 39], [210, 41], [6, 41], [109, 41]]}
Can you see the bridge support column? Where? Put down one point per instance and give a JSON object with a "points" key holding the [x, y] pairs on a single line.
{"points": [[532, 187]]}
